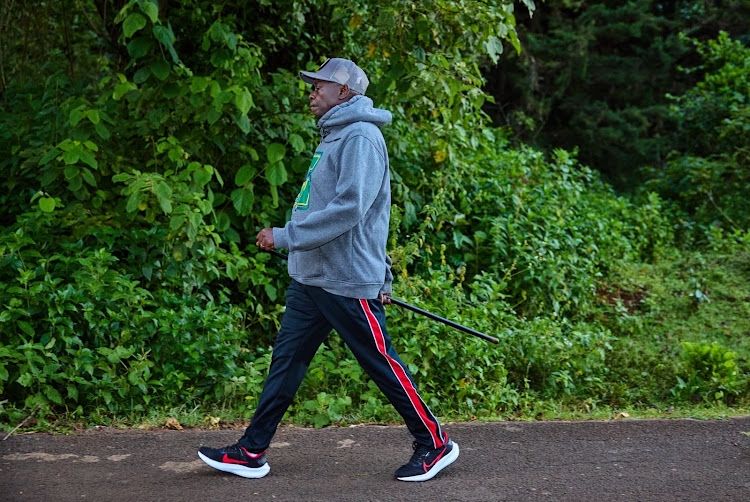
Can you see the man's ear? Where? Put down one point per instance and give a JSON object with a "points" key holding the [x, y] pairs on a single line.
{"points": [[344, 91]]}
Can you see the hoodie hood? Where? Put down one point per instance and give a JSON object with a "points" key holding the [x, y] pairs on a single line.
{"points": [[357, 109]]}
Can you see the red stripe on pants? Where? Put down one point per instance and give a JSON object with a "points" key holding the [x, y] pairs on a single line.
{"points": [[401, 375]]}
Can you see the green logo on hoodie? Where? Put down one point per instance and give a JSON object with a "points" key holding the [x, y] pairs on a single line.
{"points": [[303, 198]]}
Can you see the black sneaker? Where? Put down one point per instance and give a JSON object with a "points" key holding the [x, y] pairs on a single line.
{"points": [[427, 462], [237, 460]]}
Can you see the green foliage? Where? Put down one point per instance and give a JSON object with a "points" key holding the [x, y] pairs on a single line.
{"points": [[545, 229], [668, 339], [707, 174], [147, 151], [594, 76], [710, 372], [79, 331]]}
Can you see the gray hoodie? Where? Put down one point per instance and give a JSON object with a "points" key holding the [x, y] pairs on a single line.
{"points": [[339, 227]]}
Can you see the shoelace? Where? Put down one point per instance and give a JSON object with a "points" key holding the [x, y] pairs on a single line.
{"points": [[234, 449], [420, 452]]}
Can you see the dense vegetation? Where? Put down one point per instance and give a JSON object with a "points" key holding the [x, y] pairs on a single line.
{"points": [[597, 76], [146, 143]]}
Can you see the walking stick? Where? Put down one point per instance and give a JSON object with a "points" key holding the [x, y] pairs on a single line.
{"points": [[418, 310]]}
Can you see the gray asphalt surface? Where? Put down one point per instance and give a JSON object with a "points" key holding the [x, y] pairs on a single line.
{"points": [[633, 460]]}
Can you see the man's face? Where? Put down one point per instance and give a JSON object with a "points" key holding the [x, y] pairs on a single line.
{"points": [[324, 96]]}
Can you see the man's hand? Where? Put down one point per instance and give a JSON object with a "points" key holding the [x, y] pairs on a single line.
{"points": [[384, 298], [264, 240]]}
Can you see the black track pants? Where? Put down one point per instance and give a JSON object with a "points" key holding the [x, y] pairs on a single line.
{"points": [[310, 314]]}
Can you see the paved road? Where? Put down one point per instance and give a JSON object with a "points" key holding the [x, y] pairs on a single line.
{"points": [[633, 460]]}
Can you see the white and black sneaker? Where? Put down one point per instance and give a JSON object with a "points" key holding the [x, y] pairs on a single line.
{"points": [[427, 462], [237, 460]]}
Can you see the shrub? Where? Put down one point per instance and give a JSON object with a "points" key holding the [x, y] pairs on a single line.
{"points": [[707, 174], [709, 372]]}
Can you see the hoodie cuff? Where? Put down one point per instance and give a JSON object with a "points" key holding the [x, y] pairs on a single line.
{"points": [[280, 238], [387, 288]]}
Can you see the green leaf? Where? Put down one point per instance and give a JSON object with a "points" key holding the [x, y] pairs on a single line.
{"points": [[133, 201], [244, 124], [214, 88], [123, 88], [47, 204], [196, 101], [271, 292], [165, 204], [139, 47], [222, 221], [133, 23], [244, 175], [49, 177], [161, 189], [76, 114], [321, 420], [253, 153], [52, 394], [177, 221], [514, 40], [49, 156], [231, 271], [164, 34], [244, 101], [217, 174], [221, 98], [151, 10], [201, 176], [196, 220], [297, 142], [276, 174], [163, 194], [199, 84], [102, 131], [243, 198], [173, 53], [71, 156], [75, 183], [89, 159], [88, 177], [212, 115], [494, 48], [275, 152], [141, 75], [26, 327], [205, 206], [26, 379], [161, 69]]}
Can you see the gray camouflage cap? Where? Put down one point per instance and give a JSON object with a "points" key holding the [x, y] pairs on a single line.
{"points": [[341, 71]]}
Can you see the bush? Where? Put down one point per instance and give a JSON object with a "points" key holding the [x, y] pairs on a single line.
{"points": [[78, 331], [707, 175], [145, 158], [709, 372]]}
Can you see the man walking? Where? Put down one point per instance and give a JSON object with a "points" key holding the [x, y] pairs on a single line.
{"points": [[340, 275]]}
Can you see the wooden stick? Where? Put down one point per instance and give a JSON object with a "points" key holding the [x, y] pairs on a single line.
{"points": [[24, 421]]}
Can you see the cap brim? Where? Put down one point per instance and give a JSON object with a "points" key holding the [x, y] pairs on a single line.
{"points": [[310, 77]]}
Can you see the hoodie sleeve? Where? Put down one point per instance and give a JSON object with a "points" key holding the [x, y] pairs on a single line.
{"points": [[361, 171]]}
